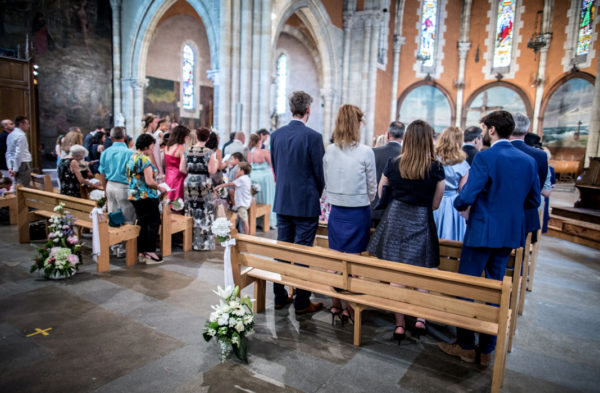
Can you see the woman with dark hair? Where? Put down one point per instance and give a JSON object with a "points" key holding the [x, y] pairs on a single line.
{"points": [[199, 162], [173, 153], [262, 174], [96, 149], [407, 232], [144, 194], [213, 144]]}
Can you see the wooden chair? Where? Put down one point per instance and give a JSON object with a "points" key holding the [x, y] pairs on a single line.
{"points": [[256, 210], [34, 204], [42, 182], [174, 223], [10, 201]]}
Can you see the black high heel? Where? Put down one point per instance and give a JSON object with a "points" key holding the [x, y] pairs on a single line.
{"points": [[399, 336], [336, 314], [420, 331], [347, 315]]}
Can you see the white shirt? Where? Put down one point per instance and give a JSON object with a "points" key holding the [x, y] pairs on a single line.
{"points": [[235, 147], [17, 149], [242, 195]]}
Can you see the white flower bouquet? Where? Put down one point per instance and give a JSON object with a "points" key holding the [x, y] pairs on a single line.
{"points": [[220, 228], [255, 188], [99, 196], [231, 322], [177, 204]]}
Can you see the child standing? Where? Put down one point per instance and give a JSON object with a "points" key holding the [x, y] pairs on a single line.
{"points": [[242, 194]]}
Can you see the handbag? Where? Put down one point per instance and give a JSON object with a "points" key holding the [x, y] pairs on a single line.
{"points": [[384, 200], [116, 218]]}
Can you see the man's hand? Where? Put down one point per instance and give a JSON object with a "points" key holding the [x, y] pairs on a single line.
{"points": [[465, 213], [12, 173]]}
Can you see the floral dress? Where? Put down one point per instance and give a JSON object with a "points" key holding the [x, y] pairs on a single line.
{"points": [[199, 197], [138, 189], [69, 185]]}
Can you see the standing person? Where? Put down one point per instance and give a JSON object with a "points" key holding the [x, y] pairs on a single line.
{"points": [[173, 153], [199, 163], [351, 185], [243, 195], [213, 144], [144, 194], [263, 133], [157, 154], [73, 137], [113, 170], [237, 146], [87, 140], [392, 149], [7, 127], [149, 123], [450, 224], [58, 150], [297, 156], [18, 157], [69, 174], [262, 174], [229, 142], [502, 182], [407, 231], [96, 149], [472, 143]]}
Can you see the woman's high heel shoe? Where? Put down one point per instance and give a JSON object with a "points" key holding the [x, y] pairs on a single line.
{"points": [[399, 336], [420, 328], [338, 313]]}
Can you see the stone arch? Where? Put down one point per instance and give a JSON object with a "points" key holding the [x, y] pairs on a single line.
{"points": [[513, 87], [432, 83]]}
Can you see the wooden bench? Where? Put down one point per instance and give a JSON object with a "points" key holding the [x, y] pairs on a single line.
{"points": [[35, 204], [42, 182], [174, 223], [10, 201], [258, 260], [256, 210]]}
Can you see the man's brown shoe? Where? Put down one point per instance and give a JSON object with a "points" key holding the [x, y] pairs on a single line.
{"points": [[289, 300], [312, 307], [485, 359], [466, 355]]}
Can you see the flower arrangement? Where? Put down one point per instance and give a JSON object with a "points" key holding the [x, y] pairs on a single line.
{"points": [[61, 255], [220, 228], [222, 193], [255, 188], [177, 204], [99, 196], [231, 322]]}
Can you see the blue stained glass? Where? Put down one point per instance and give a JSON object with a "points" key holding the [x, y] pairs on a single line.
{"points": [[428, 32], [188, 78], [503, 42], [282, 71], [586, 24]]}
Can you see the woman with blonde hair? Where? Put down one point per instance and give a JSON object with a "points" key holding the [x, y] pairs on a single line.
{"points": [[350, 184], [73, 137], [406, 232], [448, 149], [262, 174]]}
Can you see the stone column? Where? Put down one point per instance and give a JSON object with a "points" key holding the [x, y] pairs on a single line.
{"points": [[245, 65], [398, 42], [327, 97], [463, 49], [266, 67], [593, 144], [346, 60], [223, 115], [235, 65], [213, 75], [367, 23], [377, 20], [116, 22], [127, 105], [540, 81], [138, 105], [255, 66]]}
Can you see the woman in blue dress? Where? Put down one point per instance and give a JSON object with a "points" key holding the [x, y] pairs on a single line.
{"points": [[262, 174], [450, 225]]}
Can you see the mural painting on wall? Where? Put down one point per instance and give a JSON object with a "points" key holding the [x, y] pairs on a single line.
{"points": [[426, 103], [567, 116], [494, 99], [71, 42]]}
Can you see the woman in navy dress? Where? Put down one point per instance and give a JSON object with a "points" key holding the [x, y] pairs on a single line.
{"points": [[350, 184]]}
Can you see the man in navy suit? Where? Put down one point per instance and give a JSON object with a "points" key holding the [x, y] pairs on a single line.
{"points": [[502, 183], [532, 216], [472, 143], [297, 156]]}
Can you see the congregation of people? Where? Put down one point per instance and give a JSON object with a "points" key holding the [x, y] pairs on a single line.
{"points": [[481, 186]]}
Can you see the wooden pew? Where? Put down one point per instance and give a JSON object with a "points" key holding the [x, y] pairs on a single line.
{"points": [[256, 210], [258, 260], [42, 182], [10, 201], [174, 223], [35, 204]]}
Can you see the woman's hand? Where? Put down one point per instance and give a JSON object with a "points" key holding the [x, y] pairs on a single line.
{"points": [[163, 190]]}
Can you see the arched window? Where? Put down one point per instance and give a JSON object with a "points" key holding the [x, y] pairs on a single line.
{"points": [[586, 21], [428, 33], [426, 102], [281, 83], [187, 79], [503, 41], [567, 115], [494, 98]]}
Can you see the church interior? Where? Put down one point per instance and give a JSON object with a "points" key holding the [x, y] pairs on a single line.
{"points": [[230, 66]]}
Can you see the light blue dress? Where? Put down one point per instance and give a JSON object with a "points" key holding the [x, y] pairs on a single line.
{"points": [[262, 174], [450, 225]]}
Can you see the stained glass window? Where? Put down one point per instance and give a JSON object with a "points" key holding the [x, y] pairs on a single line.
{"points": [[586, 20], [188, 77], [429, 17], [504, 33], [282, 71]]}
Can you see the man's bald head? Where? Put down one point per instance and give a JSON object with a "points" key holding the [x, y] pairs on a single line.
{"points": [[240, 136], [7, 125]]}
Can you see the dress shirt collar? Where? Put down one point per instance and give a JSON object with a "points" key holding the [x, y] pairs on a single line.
{"points": [[400, 143], [504, 140], [300, 120]]}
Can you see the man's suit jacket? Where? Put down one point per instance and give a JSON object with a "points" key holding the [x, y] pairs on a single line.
{"points": [[532, 217], [502, 183], [297, 156], [382, 156], [471, 151]]}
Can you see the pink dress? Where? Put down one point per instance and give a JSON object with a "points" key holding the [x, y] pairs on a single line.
{"points": [[173, 177]]}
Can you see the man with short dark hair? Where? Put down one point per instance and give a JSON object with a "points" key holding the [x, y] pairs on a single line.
{"points": [[7, 127], [18, 157], [502, 183], [87, 140], [297, 155], [264, 135], [472, 142], [231, 138], [394, 136]]}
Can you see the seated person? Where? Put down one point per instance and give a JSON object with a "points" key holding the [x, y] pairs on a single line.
{"points": [[6, 186], [242, 195]]}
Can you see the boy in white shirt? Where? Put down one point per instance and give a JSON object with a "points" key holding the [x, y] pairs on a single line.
{"points": [[242, 195]]}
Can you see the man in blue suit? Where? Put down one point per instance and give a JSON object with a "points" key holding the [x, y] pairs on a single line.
{"points": [[297, 156], [502, 183], [532, 216]]}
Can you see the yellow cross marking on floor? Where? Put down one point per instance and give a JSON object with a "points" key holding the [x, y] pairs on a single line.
{"points": [[44, 332]]}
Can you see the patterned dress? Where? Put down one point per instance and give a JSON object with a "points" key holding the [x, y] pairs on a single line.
{"points": [[69, 185], [199, 197]]}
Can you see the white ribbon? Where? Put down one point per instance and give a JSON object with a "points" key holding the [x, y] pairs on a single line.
{"points": [[95, 232], [227, 271]]}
